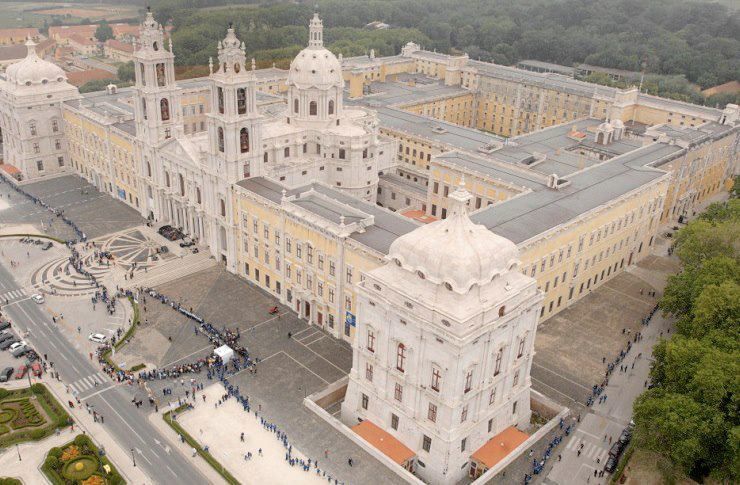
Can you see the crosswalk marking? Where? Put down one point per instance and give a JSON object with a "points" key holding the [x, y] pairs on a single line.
{"points": [[13, 294], [88, 382], [590, 450]]}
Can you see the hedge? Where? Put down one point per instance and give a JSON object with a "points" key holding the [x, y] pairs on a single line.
{"points": [[624, 460], [190, 441], [82, 441], [129, 333], [57, 414], [40, 236]]}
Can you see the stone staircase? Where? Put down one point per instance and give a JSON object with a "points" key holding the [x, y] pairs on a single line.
{"points": [[175, 268]]}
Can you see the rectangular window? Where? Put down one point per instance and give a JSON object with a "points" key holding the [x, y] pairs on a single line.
{"points": [[394, 421], [499, 358], [398, 392], [492, 397], [468, 381], [464, 414], [371, 341], [332, 267], [436, 376], [365, 401], [432, 413], [369, 372], [426, 443]]}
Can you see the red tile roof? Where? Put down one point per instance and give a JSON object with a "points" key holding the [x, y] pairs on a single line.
{"points": [[498, 447], [20, 33], [118, 45], [10, 169], [78, 78], [384, 442]]}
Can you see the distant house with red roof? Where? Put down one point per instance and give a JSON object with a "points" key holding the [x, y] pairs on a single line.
{"points": [[78, 78], [118, 51], [19, 35]]}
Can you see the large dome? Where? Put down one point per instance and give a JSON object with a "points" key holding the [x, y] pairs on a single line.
{"points": [[455, 251], [33, 70], [315, 66]]}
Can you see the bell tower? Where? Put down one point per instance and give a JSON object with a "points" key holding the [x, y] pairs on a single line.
{"points": [[157, 107], [234, 123]]}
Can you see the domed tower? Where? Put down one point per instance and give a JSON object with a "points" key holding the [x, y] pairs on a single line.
{"points": [[315, 82], [157, 109], [234, 123], [31, 97], [444, 343]]}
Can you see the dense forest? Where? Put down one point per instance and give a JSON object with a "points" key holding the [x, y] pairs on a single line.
{"points": [[690, 41], [691, 416]]}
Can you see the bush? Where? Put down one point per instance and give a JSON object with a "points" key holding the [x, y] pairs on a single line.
{"points": [[37, 434], [56, 452], [52, 462], [38, 389], [4, 393], [81, 440]]}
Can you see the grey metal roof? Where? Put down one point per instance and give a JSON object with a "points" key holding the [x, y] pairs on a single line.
{"points": [[533, 213], [127, 126], [483, 166], [387, 226], [394, 178]]}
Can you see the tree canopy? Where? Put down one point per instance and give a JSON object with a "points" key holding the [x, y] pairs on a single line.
{"points": [[688, 41], [692, 416], [103, 32]]}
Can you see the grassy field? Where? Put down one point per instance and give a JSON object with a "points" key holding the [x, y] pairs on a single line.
{"points": [[33, 14]]}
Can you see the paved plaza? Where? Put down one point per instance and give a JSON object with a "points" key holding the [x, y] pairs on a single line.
{"points": [[290, 368], [222, 428], [571, 345], [95, 213]]}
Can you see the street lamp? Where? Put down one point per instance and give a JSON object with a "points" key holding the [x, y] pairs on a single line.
{"points": [[133, 457], [19, 452]]}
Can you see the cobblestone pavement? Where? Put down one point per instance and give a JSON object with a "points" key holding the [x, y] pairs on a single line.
{"points": [[96, 213], [291, 368], [570, 347]]}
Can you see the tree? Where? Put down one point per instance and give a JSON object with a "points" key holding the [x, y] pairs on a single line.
{"points": [[126, 72], [103, 32], [717, 308], [677, 426]]}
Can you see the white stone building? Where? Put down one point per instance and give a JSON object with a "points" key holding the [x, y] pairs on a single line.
{"points": [[445, 343], [31, 96]]}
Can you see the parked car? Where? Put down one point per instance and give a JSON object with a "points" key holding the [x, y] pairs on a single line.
{"points": [[187, 242], [5, 374], [38, 298], [616, 449], [611, 464], [21, 372], [37, 369], [20, 351], [5, 336], [17, 345], [98, 338], [626, 436], [166, 228], [6, 345], [4, 325], [47, 246]]}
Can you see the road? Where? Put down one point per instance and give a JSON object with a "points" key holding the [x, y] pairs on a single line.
{"points": [[126, 423], [95, 64], [605, 421]]}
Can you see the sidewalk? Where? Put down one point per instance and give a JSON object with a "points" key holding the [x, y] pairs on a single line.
{"points": [[83, 422]]}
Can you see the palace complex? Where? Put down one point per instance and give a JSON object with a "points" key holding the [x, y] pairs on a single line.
{"points": [[430, 209]]}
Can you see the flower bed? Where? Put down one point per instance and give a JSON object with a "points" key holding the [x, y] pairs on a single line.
{"points": [[80, 462], [29, 414]]}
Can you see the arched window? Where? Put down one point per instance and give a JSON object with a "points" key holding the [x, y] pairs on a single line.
{"points": [[331, 107], [197, 194], [237, 67], [220, 93], [241, 100], [143, 107], [295, 105], [55, 126], [244, 140], [167, 179], [32, 128], [182, 184], [502, 311], [155, 46], [286, 152], [400, 357], [164, 108], [149, 169], [143, 75], [220, 139], [312, 108], [223, 208], [161, 78], [265, 158]]}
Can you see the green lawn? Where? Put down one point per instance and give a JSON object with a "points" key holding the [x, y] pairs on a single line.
{"points": [[29, 414]]}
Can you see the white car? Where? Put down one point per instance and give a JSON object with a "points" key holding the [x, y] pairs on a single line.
{"points": [[98, 338], [17, 345], [38, 298]]}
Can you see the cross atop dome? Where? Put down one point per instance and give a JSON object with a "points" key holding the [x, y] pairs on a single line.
{"points": [[316, 32], [460, 198]]}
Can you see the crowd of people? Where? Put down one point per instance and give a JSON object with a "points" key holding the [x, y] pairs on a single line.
{"points": [[59, 213]]}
